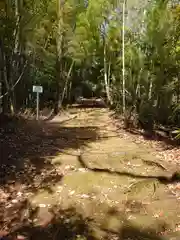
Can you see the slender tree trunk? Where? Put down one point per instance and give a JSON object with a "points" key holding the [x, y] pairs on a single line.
{"points": [[106, 75], [178, 91], [4, 75], [1, 80], [66, 82], [150, 87], [69, 94], [6, 69], [12, 62], [17, 29], [138, 92], [109, 72], [123, 60], [150, 90], [16, 61], [57, 105], [150, 83], [15, 57], [59, 53]]}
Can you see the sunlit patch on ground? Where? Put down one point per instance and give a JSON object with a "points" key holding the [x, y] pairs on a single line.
{"points": [[99, 184]]}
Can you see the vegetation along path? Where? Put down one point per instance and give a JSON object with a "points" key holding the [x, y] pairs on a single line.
{"points": [[84, 178]]}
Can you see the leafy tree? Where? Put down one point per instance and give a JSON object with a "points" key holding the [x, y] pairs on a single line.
{"points": [[67, 44]]}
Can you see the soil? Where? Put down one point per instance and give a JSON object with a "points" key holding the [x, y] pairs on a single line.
{"points": [[81, 176]]}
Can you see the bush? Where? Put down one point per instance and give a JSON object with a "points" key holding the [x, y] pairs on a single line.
{"points": [[146, 116]]}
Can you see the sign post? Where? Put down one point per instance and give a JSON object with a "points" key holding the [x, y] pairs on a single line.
{"points": [[38, 90]]}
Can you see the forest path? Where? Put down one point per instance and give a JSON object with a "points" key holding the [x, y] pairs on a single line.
{"points": [[107, 172], [104, 174]]}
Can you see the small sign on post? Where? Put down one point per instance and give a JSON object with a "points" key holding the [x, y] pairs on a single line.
{"points": [[38, 90]]}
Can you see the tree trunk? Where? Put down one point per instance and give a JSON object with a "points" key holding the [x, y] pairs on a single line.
{"points": [[1, 79], [150, 90], [66, 82], [10, 59], [138, 89], [7, 105], [106, 75], [59, 55], [15, 56], [57, 105], [16, 61], [69, 92], [178, 91], [123, 61]]}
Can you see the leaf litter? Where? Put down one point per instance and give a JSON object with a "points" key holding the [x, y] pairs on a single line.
{"points": [[167, 155]]}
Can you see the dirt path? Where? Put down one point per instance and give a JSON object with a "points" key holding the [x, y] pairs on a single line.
{"points": [[108, 179]]}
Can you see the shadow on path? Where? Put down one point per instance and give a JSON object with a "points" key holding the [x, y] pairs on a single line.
{"points": [[69, 224], [26, 148]]}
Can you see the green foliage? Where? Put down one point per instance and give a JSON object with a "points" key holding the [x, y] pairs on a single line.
{"points": [[52, 37], [177, 132]]}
